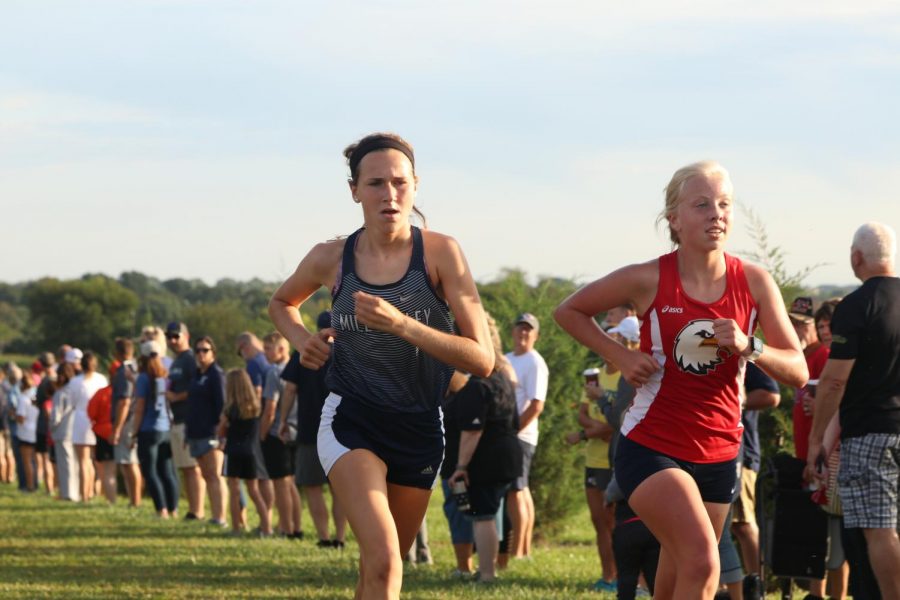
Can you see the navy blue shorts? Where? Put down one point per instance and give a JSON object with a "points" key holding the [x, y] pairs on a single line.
{"points": [[485, 500], [635, 463], [411, 445], [277, 457]]}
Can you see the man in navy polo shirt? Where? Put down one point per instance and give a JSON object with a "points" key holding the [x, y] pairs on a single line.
{"points": [[181, 373]]}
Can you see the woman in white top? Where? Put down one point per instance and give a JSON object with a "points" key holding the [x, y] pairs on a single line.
{"points": [[26, 417], [81, 390], [61, 417]]}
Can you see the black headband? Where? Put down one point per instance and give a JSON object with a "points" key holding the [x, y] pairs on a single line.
{"points": [[377, 143]]}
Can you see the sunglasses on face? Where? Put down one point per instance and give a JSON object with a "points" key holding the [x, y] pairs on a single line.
{"points": [[202, 350], [173, 336]]}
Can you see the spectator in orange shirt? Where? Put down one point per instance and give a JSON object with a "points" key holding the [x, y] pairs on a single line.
{"points": [[101, 423]]}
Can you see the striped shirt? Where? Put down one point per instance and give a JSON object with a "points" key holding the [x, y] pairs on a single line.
{"points": [[378, 368]]}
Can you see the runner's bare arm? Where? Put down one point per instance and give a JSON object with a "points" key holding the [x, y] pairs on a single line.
{"points": [[782, 357], [832, 383], [317, 269], [635, 284]]}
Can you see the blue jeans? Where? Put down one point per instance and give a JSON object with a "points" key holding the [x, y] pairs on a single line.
{"points": [[460, 527], [155, 456]]}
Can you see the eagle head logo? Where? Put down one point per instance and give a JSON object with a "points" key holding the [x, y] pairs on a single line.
{"points": [[696, 347]]}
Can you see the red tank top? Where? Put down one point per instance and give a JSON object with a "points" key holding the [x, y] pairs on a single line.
{"points": [[691, 408]]}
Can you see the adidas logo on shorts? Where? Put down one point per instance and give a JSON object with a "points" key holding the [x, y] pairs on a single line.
{"points": [[428, 470]]}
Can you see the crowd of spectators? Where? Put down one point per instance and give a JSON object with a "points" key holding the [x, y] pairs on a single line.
{"points": [[163, 408]]}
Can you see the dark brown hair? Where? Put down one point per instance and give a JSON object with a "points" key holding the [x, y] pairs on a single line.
{"points": [[209, 341], [124, 346], [826, 311], [389, 140], [64, 374], [89, 362]]}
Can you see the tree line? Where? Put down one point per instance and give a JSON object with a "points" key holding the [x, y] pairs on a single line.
{"points": [[91, 311]]}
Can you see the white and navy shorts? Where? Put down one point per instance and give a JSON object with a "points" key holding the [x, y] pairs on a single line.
{"points": [[868, 480], [411, 445]]}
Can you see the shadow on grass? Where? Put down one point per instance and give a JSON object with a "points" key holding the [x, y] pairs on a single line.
{"points": [[207, 575], [539, 580]]}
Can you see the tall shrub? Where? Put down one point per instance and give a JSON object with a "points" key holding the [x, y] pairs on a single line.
{"points": [[556, 473]]}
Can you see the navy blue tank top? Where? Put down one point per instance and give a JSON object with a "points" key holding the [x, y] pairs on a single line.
{"points": [[380, 369]]}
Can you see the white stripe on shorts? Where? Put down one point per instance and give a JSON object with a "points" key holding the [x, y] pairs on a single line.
{"points": [[329, 448]]}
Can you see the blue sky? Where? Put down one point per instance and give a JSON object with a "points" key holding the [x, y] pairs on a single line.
{"points": [[203, 139]]}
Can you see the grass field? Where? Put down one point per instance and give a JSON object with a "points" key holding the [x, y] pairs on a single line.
{"points": [[51, 549]]}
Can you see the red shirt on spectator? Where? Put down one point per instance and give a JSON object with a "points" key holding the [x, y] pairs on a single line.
{"points": [[816, 357], [98, 411]]}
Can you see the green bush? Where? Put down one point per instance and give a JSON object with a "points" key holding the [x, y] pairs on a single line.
{"points": [[556, 473]]}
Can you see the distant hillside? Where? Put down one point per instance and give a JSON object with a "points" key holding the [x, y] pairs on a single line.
{"points": [[825, 292]]}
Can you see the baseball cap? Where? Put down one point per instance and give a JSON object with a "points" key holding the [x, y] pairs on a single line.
{"points": [[629, 328], [324, 319], [528, 319], [175, 327], [802, 309], [150, 347], [74, 356]]}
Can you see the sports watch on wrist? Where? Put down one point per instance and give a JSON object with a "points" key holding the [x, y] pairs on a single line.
{"points": [[756, 349]]}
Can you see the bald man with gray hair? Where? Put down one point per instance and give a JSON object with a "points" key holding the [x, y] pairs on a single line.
{"points": [[862, 379], [876, 245]]}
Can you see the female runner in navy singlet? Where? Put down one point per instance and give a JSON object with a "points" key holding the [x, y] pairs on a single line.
{"points": [[391, 351], [699, 308]]}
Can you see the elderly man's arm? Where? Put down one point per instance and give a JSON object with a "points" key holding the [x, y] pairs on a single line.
{"points": [[832, 383]]}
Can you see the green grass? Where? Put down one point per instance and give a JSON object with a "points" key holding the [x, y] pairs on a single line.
{"points": [[64, 550], [23, 360], [59, 549]]}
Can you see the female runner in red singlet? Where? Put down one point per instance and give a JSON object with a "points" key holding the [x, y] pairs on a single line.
{"points": [[681, 436]]}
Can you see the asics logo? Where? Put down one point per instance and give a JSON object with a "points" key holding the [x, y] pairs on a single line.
{"points": [[675, 310]]}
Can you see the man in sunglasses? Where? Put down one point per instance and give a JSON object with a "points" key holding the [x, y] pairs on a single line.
{"points": [[180, 375]]}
